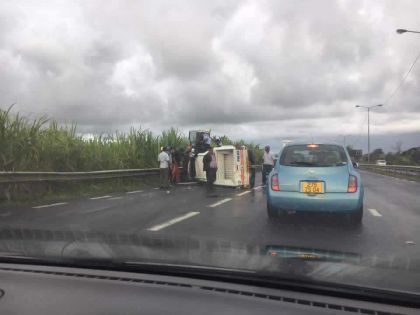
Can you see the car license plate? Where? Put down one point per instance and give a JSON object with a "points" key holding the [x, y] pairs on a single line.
{"points": [[312, 187]]}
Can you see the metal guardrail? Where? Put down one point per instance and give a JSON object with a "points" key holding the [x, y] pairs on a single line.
{"points": [[36, 177], [406, 170]]}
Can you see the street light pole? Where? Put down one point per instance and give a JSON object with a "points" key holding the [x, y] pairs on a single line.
{"points": [[401, 31], [368, 111]]}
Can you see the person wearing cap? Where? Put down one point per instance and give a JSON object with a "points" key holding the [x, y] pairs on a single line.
{"points": [[210, 167]]}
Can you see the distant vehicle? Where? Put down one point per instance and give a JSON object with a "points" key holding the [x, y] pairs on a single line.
{"points": [[381, 162], [315, 178]]}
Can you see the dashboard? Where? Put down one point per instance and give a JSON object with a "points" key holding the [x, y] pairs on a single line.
{"points": [[33, 289]]}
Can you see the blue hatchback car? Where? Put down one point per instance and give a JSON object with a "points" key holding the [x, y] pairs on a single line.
{"points": [[316, 178]]}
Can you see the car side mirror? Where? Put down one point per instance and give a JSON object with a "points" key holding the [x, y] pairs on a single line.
{"points": [[355, 165]]}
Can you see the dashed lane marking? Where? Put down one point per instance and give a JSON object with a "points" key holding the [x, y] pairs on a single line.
{"points": [[220, 202], [173, 221], [243, 193], [134, 192], [50, 205], [375, 212], [258, 187], [101, 197]]}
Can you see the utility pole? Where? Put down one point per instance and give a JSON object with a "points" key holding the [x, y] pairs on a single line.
{"points": [[368, 111]]}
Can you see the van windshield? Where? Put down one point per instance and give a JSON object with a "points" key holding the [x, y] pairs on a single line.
{"points": [[320, 155]]}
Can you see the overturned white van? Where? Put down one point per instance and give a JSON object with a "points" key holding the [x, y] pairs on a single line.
{"points": [[232, 166]]}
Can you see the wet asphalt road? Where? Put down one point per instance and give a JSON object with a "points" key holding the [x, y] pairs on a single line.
{"points": [[390, 228]]}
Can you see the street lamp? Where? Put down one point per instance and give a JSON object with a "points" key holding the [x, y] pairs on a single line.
{"points": [[344, 139], [368, 111], [401, 31]]}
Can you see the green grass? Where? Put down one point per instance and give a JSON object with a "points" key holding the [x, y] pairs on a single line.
{"points": [[42, 144]]}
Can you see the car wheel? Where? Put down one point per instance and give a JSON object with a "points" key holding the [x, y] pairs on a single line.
{"points": [[271, 212], [356, 218]]}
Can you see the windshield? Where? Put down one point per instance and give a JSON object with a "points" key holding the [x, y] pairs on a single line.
{"points": [[276, 137], [313, 155]]}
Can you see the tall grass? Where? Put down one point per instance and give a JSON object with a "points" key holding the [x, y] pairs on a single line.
{"points": [[42, 144]]}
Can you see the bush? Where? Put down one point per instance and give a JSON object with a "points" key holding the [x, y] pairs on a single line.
{"points": [[43, 145]]}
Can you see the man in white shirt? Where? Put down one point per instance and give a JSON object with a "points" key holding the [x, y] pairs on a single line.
{"points": [[268, 164], [164, 161]]}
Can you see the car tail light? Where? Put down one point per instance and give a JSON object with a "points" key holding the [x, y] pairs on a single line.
{"points": [[275, 183], [352, 187]]}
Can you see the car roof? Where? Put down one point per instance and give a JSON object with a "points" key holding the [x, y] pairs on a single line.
{"points": [[306, 143]]}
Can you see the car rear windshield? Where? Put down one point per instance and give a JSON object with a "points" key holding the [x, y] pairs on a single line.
{"points": [[313, 155]]}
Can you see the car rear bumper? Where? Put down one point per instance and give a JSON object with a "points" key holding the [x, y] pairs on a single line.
{"points": [[328, 202]]}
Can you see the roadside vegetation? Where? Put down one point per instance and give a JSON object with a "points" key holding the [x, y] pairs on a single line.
{"points": [[397, 157], [42, 144]]}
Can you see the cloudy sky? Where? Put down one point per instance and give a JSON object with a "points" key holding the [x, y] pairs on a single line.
{"points": [[258, 70]]}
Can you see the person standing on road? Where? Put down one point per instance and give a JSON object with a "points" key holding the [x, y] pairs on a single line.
{"points": [[176, 160], [268, 164], [186, 171], [251, 162], [164, 161], [169, 152], [210, 167]]}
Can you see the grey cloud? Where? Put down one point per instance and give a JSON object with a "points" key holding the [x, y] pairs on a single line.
{"points": [[227, 65]]}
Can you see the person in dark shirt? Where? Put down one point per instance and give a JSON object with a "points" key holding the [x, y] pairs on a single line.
{"points": [[176, 160], [210, 167], [251, 161]]}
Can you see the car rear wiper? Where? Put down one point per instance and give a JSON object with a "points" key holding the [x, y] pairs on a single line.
{"points": [[300, 164]]}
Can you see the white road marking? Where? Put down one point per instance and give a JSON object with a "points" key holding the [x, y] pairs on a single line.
{"points": [[258, 187], [134, 192], [101, 197], [115, 198], [220, 202], [172, 221], [375, 212], [243, 193], [51, 205], [156, 188]]}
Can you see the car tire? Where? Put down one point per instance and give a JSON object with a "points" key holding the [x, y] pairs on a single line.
{"points": [[271, 212], [357, 217]]}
